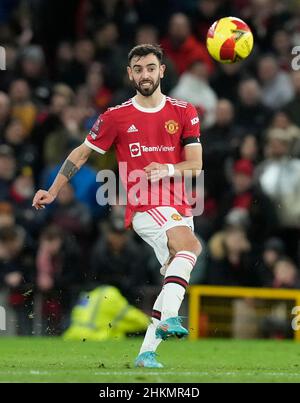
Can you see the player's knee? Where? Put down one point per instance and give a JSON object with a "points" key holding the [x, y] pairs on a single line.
{"points": [[187, 242], [196, 247]]}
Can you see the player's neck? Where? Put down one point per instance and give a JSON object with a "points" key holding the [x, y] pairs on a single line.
{"points": [[149, 102]]}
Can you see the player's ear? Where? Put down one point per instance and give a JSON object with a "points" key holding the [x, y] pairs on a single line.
{"points": [[129, 71], [162, 70]]}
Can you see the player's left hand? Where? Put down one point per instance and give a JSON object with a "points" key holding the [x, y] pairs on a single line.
{"points": [[156, 171]]}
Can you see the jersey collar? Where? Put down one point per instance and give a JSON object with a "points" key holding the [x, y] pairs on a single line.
{"points": [[149, 110]]}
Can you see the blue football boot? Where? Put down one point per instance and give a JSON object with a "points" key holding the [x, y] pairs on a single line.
{"points": [[171, 327], [147, 360]]}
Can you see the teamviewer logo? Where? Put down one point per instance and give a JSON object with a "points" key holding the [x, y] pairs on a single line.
{"points": [[135, 149]]}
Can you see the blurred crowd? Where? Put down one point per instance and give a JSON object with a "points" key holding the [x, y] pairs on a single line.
{"points": [[65, 64]]}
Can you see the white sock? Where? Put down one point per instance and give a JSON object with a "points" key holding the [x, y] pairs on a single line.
{"points": [[150, 342], [176, 280]]}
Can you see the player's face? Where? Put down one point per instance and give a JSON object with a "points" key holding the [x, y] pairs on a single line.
{"points": [[145, 73]]}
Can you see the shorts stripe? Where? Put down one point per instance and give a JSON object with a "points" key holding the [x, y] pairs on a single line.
{"points": [[176, 280], [158, 221], [156, 314], [187, 257], [160, 214]]}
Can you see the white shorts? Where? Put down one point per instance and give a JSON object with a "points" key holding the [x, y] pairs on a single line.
{"points": [[152, 226]]}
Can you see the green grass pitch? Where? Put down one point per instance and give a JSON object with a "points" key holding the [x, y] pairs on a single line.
{"points": [[55, 360]]}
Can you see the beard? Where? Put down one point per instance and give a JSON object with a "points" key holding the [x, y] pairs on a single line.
{"points": [[146, 91]]}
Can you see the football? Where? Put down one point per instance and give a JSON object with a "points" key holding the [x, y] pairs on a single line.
{"points": [[229, 40]]}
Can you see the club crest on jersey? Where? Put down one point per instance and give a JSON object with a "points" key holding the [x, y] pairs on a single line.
{"points": [[135, 149], [172, 126], [176, 217]]}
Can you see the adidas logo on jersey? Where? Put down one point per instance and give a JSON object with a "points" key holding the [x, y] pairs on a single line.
{"points": [[132, 129]]}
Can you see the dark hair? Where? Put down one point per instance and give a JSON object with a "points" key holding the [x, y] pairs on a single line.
{"points": [[144, 50]]}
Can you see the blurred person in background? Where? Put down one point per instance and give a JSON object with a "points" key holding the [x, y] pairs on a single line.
{"points": [[8, 168], [230, 261], [50, 120], [109, 53], [251, 114], [225, 81], [16, 274], [249, 148], [193, 86], [22, 107], [276, 85], [7, 217], [58, 277], [75, 71], [32, 68], [282, 45], [65, 137], [217, 146], [285, 274], [273, 250], [283, 123], [63, 60], [98, 91], [15, 137], [72, 216], [243, 194], [182, 47], [205, 13], [5, 109], [279, 178], [117, 260], [292, 108], [243, 148], [21, 192]]}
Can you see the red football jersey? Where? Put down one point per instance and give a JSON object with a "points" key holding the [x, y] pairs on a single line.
{"points": [[144, 135]]}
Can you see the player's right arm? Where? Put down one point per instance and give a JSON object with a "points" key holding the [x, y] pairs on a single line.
{"points": [[100, 138], [70, 167]]}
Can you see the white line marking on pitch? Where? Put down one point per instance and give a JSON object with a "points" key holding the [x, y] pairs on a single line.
{"points": [[152, 373]]}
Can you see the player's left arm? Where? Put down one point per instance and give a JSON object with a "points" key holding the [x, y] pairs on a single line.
{"points": [[192, 163], [190, 140], [192, 160]]}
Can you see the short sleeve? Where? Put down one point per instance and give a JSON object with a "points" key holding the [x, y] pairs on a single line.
{"points": [[103, 133], [191, 127]]}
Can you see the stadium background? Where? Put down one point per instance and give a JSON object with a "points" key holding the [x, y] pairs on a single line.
{"points": [[66, 63]]}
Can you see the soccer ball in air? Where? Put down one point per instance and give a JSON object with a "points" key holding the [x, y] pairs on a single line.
{"points": [[229, 40]]}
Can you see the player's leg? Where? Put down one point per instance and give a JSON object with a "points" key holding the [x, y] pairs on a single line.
{"points": [[150, 228], [150, 342], [185, 248], [147, 356]]}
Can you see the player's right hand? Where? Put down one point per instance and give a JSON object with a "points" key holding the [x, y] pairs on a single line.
{"points": [[41, 198]]}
